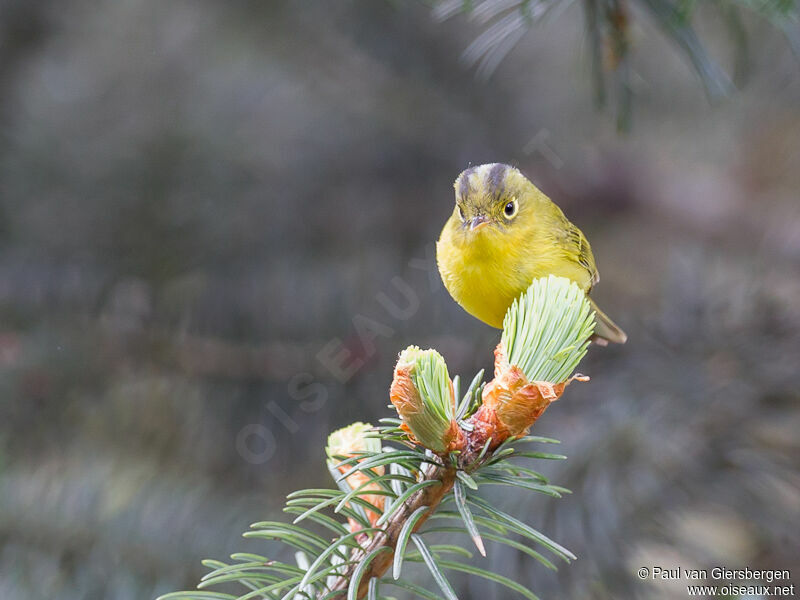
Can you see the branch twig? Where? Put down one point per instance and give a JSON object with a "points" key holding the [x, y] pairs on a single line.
{"points": [[429, 496]]}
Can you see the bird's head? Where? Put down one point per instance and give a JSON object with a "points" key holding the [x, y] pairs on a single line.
{"points": [[489, 197]]}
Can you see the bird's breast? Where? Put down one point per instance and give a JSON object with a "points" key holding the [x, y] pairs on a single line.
{"points": [[482, 274]]}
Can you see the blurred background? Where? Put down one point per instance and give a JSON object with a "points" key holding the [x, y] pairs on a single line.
{"points": [[216, 233]]}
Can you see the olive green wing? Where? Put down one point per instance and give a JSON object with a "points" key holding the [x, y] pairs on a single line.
{"points": [[577, 248], [585, 256]]}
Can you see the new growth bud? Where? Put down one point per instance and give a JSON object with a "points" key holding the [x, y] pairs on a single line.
{"points": [[547, 330], [349, 442], [351, 439], [423, 395], [545, 335]]}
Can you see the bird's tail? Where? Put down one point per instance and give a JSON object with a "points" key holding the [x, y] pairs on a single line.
{"points": [[605, 330]]}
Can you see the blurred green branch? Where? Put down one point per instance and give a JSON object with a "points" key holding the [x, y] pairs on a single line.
{"points": [[608, 24]]}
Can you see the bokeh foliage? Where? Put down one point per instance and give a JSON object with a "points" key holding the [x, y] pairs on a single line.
{"points": [[196, 198]]}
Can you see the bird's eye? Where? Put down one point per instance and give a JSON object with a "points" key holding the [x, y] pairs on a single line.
{"points": [[510, 209], [461, 213]]}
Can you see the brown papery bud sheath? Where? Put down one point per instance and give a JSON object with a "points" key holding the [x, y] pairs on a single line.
{"points": [[512, 403]]}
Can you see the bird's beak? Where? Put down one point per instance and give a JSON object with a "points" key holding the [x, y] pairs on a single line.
{"points": [[478, 222]]}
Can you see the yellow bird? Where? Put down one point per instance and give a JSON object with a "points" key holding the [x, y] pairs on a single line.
{"points": [[503, 234]]}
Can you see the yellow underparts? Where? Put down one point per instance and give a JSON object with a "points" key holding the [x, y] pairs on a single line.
{"points": [[486, 270]]}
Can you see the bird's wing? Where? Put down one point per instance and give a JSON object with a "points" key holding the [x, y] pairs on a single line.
{"points": [[577, 247]]}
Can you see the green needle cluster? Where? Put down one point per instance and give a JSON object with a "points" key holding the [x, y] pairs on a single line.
{"points": [[432, 419], [547, 329]]}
